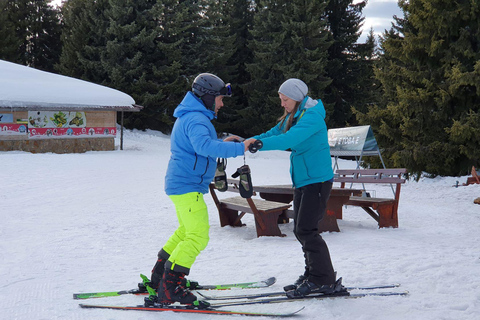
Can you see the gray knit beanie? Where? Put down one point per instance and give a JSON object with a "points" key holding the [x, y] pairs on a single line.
{"points": [[295, 89]]}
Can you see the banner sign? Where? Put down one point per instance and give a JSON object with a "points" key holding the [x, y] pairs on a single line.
{"points": [[13, 129], [352, 141], [72, 132], [56, 119], [64, 124]]}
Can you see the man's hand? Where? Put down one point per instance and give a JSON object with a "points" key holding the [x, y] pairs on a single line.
{"points": [[248, 143]]}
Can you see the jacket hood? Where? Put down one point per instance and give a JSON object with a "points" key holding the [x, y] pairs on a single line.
{"points": [[191, 103], [309, 103]]}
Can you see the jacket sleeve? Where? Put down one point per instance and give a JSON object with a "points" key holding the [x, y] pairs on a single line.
{"points": [[308, 125], [203, 144], [275, 131]]}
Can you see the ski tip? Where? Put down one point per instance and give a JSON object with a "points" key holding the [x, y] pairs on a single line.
{"points": [[270, 281], [295, 312]]}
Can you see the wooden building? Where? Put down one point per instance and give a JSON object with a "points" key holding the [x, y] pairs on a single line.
{"points": [[46, 112]]}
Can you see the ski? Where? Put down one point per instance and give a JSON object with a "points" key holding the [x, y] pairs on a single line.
{"points": [[246, 285], [186, 309], [282, 293], [284, 298], [213, 308]]}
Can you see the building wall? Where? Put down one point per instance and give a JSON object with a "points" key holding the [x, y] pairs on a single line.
{"points": [[93, 140], [79, 145]]}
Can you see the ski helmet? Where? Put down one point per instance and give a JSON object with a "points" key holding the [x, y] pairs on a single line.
{"points": [[207, 86]]}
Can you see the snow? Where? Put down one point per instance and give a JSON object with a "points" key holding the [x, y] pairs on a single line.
{"points": [[95, 221], [22, 86]]}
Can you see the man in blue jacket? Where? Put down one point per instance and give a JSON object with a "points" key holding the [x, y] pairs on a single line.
{"points": [[194, 149]]}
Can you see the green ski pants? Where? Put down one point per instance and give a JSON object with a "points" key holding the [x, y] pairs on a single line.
{"points": [[191, 236]]}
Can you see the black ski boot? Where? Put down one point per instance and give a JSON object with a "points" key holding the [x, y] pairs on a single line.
{"points": [[157, 273], [172, 289], [309, 288], [298, 282]]}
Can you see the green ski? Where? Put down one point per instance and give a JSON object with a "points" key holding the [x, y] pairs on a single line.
{"points": [[143, 291]]}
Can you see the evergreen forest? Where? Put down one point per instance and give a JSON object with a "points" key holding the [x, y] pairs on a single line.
{"points": [[417, 85]]}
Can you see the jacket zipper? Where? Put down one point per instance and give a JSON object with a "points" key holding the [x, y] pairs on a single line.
{"points": [[206, 169]]}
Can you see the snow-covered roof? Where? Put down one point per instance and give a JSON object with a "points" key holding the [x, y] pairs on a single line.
{"points": [[25, 88]]}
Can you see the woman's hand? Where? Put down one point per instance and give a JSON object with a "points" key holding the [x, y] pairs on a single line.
{"points": [[233, 138]]}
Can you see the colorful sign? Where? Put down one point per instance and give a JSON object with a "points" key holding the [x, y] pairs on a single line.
{"points": [[56, 119], [13, 129], [64, 124], [86, 132]]}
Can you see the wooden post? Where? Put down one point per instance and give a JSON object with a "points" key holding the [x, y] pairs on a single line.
{"points": [[121, 131]]}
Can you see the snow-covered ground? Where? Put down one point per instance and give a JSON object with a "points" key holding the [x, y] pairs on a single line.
{"points": [[95, 221]]}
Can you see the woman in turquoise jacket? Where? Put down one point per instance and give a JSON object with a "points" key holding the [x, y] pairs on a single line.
{"points": [[302, 129]]}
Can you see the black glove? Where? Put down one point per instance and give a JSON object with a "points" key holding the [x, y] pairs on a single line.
{"points": [[254, 147], [245, 186], [220, 178]]}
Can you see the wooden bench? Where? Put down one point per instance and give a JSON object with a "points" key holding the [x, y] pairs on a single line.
{"points": [[231, 211], [383, 210], [474, 179]]}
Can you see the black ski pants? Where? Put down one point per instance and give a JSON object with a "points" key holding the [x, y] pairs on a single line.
{"points": [[310, 203]]}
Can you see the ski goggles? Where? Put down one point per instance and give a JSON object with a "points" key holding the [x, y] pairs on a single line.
{"points": [[226, 91]]}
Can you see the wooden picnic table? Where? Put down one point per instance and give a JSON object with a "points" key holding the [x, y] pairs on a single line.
{"points": [[338, 197]]}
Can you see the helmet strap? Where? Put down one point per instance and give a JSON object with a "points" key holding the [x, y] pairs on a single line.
{"points": [[209, 101]]}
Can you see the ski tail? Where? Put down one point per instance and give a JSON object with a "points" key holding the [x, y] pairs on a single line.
{"points": [[282, 293], [284, 298], [90, 295], [187, 309]]}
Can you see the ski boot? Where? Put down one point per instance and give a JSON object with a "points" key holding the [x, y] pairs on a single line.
{"points": [[157, 274], [307, 288], [298, 282], [172, 289]]}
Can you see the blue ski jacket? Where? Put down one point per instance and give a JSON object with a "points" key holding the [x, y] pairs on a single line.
{"points": [[310, 160], [194, 148]]}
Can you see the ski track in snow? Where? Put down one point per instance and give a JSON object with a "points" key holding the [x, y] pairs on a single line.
{"points": [[95, 221]]}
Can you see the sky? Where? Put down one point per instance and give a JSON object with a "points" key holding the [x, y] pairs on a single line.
{"points": [[378, 15]]}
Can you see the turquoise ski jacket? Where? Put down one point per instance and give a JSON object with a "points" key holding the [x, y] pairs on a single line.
{"points": [[310, 160], [194, 148]]}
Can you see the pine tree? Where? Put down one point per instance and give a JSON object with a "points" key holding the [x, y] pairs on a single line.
{"points": [[44, 46], [228, 53], [289, 41], [140, 60], [349, 64], [83, 39], [10, 40], [430, 71], [30, 33]]}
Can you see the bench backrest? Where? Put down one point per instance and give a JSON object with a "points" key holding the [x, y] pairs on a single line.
{"points": [[388, 176], [233, 185]]}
